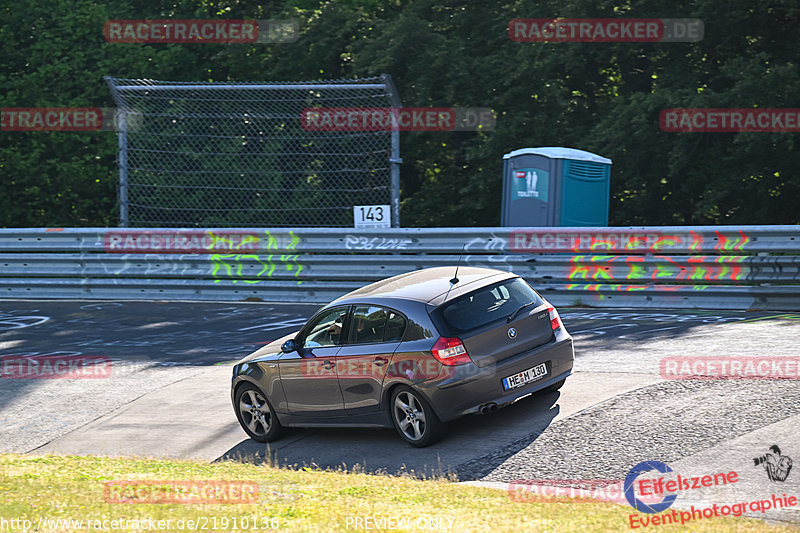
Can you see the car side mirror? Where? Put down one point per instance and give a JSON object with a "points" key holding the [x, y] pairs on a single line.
{"points": [[288, 346]]}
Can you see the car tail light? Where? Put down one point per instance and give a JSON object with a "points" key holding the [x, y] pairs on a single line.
{"points": [[555, 320], [450, 351]]}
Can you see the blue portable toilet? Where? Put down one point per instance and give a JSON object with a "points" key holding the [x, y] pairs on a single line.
{"points": [[555, 186]]}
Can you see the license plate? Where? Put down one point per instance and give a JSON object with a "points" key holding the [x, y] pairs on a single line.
{"points": [[526, 376]]}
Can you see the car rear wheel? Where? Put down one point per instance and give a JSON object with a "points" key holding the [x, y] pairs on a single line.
{"points": [[414, 418], [256, 415]]}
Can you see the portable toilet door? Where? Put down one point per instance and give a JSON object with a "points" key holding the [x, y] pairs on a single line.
{"points": [[555, 186], [585, 191], [529, 198]]}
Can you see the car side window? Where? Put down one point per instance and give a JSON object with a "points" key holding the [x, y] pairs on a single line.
{"points": [[326, 329], [395, 327], [367, 324], [373, 324]]}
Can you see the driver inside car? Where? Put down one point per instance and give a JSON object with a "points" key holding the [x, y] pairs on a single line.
{"points": [[325, 336], [335, 330]]}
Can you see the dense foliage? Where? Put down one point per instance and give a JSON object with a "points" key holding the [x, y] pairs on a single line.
{"points": [[601, 97]]}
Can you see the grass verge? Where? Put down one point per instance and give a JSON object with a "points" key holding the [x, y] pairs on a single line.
{"points": [[40, 491]]}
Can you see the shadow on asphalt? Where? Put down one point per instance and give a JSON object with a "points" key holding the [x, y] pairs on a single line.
{"points": [[381, 451]]}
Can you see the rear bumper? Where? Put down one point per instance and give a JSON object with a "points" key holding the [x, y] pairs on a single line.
{"points": [[472, 387]]}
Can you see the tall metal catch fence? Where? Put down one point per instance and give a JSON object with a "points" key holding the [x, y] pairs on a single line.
{"points": [[216, 154], [711, 267]]}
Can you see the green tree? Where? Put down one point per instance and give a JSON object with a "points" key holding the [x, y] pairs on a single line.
{"points": [[602, 97]]}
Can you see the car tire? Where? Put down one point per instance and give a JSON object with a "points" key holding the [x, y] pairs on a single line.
{"points": [[554, 387], [413, 417], [256, 415]]}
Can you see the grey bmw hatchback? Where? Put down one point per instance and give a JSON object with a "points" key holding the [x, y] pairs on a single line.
{"points": [[411, 352]]}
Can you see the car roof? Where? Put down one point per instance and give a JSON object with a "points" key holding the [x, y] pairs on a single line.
{"points": [[429, 285]]}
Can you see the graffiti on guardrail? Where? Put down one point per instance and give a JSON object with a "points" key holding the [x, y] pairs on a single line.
{"points": [[155, 265], [717, 268], [281, 242], [606, 287], [253, 268], [491, 244], [241, 267], [354, 242], [576, 240], [592, 267], [618, 267], [249, 257]]}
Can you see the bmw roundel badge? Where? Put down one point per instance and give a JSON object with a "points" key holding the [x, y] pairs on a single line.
{"points": [[512, 333]]}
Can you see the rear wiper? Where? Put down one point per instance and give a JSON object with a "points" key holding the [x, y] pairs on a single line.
{"points": [[515, 313]]}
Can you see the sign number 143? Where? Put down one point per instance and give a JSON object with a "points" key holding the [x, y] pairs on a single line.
{"points": [[372, 216]]}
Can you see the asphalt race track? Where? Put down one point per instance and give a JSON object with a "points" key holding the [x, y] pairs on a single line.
{"points": [[168, 395]]}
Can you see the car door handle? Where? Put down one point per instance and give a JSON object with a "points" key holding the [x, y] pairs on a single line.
{"points": [[380, 361], [327, 365]]}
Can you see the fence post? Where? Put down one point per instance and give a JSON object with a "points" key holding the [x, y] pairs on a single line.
{"points": [[122, 139], [395, 159]]}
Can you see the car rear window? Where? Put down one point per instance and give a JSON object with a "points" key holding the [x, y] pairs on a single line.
{"points": [[486, 305]]}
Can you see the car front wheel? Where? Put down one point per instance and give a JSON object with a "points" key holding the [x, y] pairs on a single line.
{"points": [[256, 415], [414, 418]]}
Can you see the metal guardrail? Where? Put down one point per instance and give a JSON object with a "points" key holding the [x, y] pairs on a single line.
{"points": [[723, 267]]}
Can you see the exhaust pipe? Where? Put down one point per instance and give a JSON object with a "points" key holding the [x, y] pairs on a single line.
{"points": [[487, 408]]}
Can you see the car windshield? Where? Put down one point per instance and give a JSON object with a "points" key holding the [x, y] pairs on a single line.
{"points": [[488, 304]]}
